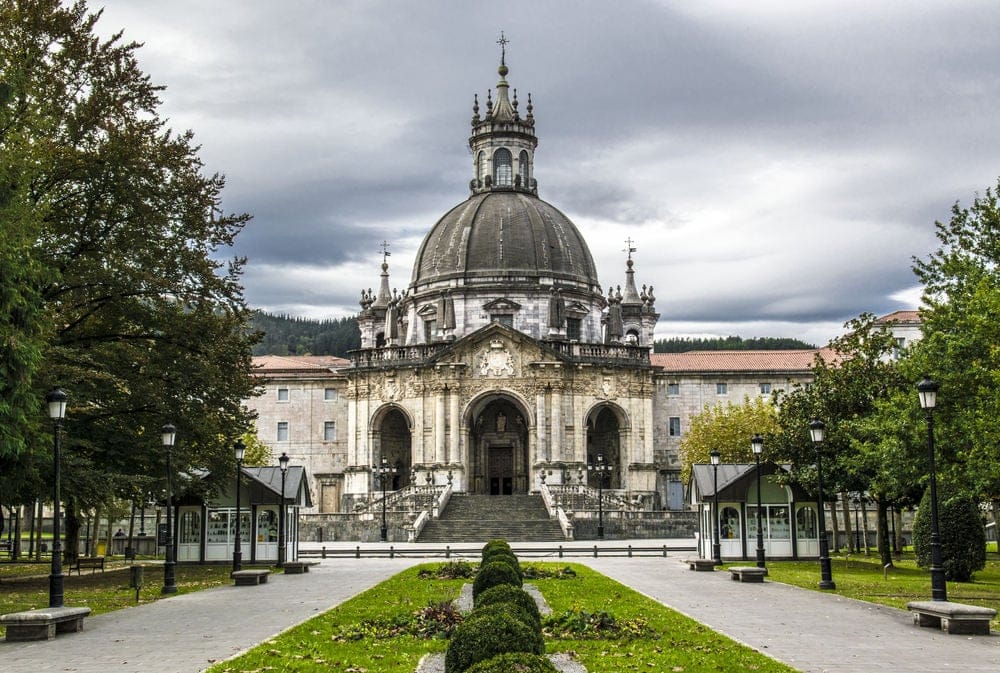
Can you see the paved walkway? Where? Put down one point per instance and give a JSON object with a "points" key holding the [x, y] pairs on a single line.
{"points": [[814, 632]]}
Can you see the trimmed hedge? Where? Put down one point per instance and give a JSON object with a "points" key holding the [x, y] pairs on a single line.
{"points": [[505, 593], [494, 545], [480, 638], [494, 574], [505, 557], [517, 612], [514, 662]]}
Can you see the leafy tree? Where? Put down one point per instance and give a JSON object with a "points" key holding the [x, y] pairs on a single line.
{"points": [[147, 325], [728, 428], [286, 335], [961, 329], [851, 380]]}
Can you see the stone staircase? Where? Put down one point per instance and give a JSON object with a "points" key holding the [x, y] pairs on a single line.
{"points": [[480, 518]]}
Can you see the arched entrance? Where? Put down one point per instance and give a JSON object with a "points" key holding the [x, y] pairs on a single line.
{"points": [[498, 455], [604, 439], [391, 440]]}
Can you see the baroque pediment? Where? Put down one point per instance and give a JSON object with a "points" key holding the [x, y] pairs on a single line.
{"points": [[501, 304]]}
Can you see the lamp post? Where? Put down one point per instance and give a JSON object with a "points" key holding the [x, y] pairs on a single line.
{"points": [[283, 465], [601, 468], [382, 472], [857, 522], [168, 435], [716, 545], [757, 446], [56, 400], [239, 448], [928, 398], [817, 429]]}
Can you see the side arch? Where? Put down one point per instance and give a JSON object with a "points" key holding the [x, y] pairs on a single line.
{"points": [[390, 438]]}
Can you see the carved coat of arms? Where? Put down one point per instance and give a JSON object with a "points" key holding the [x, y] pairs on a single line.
{"points": [[496, 360]]}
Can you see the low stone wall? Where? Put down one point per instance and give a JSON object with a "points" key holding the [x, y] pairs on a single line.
{"points": [[636, 525]]}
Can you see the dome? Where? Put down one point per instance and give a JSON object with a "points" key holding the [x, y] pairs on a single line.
{"points": [[503, 237]]}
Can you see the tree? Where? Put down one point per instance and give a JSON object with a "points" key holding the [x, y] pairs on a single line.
{"points": [[857, 374], [728, 428], [147, 326], [961, 329], [962, 535]]}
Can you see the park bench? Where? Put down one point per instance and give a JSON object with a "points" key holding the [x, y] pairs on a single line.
{"points": [[747, 574], [700, 564], [297, 567], [250, 577], [92, 562], [952, 617], [43, 623]]}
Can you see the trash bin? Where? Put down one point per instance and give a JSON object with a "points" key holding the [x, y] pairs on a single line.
{"points": [[135, 577]]}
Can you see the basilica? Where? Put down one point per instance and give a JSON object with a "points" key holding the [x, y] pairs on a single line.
{"points": [[505, 363]]}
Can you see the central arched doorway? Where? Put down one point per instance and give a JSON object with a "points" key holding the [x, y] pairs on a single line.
{"points": [[498, 455], [391, 440]]}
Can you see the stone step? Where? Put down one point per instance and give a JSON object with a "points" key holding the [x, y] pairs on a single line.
{"points": [[480, 518]]}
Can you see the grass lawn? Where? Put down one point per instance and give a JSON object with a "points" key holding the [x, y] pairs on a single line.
{"points": [[862, 577], [362, 633], [25, 586]]}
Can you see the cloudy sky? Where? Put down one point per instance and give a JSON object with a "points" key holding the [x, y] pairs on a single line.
{"points": [[778, 164]]}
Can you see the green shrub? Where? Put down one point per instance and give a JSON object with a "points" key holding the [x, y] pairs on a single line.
{"points": [[494, 574], [961, 531], [483, 637], [505, 593], [514, 662], [493, 545], [516, 611], [452, 570], [508, 558]]}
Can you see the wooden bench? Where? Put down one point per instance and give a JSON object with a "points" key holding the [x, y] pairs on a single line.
{"points": [[952, 617], [44, 623], [250, 577], [92, 562], [747, 574], [297, 567], [701, 564]]}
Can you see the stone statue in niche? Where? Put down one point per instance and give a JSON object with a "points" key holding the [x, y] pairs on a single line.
{"points": [[501, 421]]}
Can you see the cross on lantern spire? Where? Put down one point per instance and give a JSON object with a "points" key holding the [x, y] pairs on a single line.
{"points": [[503, 42]]}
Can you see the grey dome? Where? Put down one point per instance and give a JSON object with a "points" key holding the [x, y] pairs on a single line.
{"points": [[503, 237]]}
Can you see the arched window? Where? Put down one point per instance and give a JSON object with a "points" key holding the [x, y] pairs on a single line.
{"points": [[480, 167], [503, 168], [522, 167]]}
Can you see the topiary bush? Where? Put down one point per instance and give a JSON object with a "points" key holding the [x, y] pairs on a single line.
{"points": [[517, 612], [505, 557], [514, 662], [505, 593], [961, 530], [484, 636], [494, 574], [496, 544]]}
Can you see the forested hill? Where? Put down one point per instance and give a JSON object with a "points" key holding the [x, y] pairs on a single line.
{"points": [[285, 335], [730, 343]]}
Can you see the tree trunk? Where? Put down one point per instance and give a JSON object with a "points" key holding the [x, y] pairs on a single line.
{"points": [[882, 538], [40, 518], [864, 526], [71, 533], [848, 529], [996, 523], [95, 531], [836, 526], [15, 550]]}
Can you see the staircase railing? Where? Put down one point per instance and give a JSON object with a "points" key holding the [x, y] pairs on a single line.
{"points": [[556, 511]]}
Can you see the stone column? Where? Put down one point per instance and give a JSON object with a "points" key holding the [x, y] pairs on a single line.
{"points": [[417, 447], [456, 429], [556, 443], [439, 404], [352, 429], [541, 451]]}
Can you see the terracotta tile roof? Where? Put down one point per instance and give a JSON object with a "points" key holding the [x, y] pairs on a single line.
{"points": [[740, 361], [269, 364], [901, 317]]}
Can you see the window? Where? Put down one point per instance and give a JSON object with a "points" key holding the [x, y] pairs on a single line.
{"points": [[721, 388], [522, 167], [503, 318], [673, 389], [329, 394], [503, 168], [282, 394], [765, 389], [573, 328], [329, 431], [480, 167], [674, 426], [282, 431], [429, 327], [632, 338]]}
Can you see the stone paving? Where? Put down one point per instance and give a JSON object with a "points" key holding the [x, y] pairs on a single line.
{"points": [[811, 631]]}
